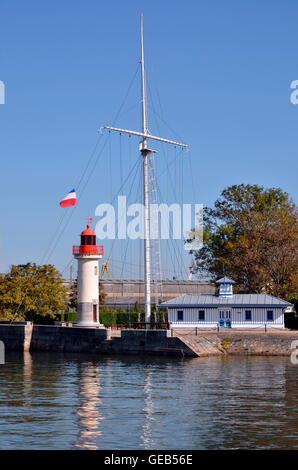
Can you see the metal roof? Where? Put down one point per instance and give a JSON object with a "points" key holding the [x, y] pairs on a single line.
{"points": [[204, 300]]}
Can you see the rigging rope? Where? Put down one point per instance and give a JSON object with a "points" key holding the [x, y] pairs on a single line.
{"points": [[135, 168], [80, 178]]}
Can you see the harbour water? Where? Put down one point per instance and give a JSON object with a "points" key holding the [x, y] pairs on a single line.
{"points": [[63, 401]]}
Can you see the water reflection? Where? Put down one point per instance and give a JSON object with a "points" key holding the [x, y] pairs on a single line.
{"points": [[148, 410], [249, 407], [27, 378], [60, 401], [88, 411]]}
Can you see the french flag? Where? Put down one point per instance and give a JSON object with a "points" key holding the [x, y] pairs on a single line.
{"points": [[69, 200]]}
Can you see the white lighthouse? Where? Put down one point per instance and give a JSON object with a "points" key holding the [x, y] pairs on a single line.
{"points": [[88, 254]]}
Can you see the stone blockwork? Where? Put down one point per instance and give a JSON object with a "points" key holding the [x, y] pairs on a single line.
{"points": [[64, 339], [150, 342], [28, 337], [13, 337], [259, 344], [233, 342]]}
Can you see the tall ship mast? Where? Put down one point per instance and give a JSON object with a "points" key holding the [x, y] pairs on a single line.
{"points": [[145, 153]]}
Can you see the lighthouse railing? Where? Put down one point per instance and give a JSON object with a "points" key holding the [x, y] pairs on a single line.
{"points": [[87, 250]]}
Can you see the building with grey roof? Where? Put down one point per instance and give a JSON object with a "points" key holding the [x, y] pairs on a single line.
{"points": [[124, 293], [226, 309]]}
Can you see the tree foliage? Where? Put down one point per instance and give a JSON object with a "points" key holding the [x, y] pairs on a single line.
{"points": [[30, 292], [253, 231]]}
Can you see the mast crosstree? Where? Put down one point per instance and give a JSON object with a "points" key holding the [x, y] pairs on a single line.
{"points": [[145, 152]]}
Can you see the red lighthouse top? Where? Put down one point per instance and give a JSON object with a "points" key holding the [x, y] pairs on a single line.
{"points": [[88, 231], [88, 244]]}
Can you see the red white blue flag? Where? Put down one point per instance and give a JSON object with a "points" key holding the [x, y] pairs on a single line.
{"points": [[69, 200]]}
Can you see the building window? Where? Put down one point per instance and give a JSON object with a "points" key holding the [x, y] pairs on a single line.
{"points": [[269, 315], [180, 315], [247, 315], [95, 270], [201, 315]]}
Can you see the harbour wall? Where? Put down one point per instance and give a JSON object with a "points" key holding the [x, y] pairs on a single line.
{"points": [[239, 342], [91, 340], [28, 337]]}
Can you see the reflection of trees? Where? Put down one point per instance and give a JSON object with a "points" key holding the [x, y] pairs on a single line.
{"points": [[89, 416], [28, 380], [250, 410], [290, 424]]}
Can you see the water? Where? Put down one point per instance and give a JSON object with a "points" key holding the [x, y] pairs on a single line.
{"points": [[59, 401]]}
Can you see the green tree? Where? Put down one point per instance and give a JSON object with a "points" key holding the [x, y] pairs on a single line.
{"points": [[253, 231], [32, 292]]}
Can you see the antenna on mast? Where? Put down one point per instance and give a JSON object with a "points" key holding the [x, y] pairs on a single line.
{"points": [[145, 152], [144, 102]]}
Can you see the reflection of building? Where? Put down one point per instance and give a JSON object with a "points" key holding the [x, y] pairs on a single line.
{"points": [[226, 309], [27, 373], [88, 411]]}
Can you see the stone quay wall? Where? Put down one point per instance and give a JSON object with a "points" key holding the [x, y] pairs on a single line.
{"points": [[239, 342], [29, 337]]}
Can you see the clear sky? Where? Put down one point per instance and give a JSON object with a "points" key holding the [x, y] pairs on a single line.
{"points": [[220, 69]]}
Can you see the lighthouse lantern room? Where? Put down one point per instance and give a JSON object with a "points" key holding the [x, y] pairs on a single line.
{"points": [[88, 254]]}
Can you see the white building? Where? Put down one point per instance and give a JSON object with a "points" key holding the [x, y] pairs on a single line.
{"points": [[226, 310]]}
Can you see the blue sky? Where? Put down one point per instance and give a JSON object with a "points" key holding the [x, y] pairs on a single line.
{"points": [[220, 69]]}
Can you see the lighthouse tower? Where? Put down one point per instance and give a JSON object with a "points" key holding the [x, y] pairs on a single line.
{"points": [[88, 254]]}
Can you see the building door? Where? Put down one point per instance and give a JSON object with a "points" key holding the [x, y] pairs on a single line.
{"points": [[225, 318], [94, 313]]}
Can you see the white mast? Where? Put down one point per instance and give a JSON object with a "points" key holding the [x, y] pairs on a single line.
{"points": [[145, 152]]}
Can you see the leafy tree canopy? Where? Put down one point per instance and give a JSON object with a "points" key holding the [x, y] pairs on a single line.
{"points": [[29, 291], [253, 231]]}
